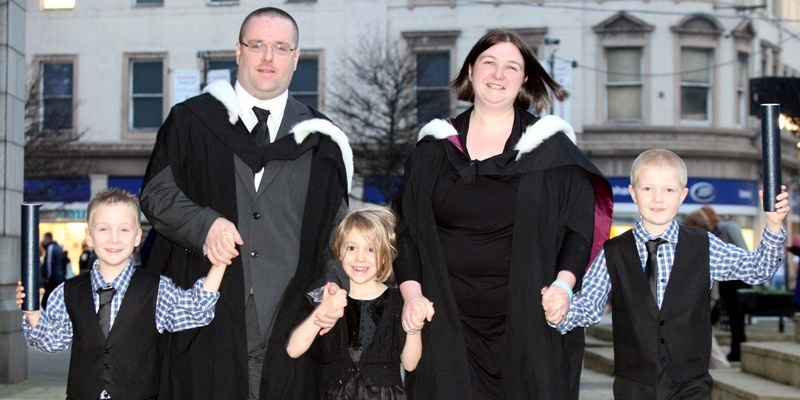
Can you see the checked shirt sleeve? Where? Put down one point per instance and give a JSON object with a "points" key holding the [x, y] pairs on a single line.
{"points": [[586, 308], [180, 309], [729, 262], [53, 333]]}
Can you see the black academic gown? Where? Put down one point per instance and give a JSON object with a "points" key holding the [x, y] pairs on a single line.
{"points": [[563, 215], [198, 143]]}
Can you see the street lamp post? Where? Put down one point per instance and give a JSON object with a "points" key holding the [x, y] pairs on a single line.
{"points": [[552, 45]]}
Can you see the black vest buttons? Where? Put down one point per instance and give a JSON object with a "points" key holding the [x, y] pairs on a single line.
{"points": [[256, 215], [254, 254], [106, 366], [662, 340], [106, 381], [661, 323]]}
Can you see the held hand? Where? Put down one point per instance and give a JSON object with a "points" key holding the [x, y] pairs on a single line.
{"points": [[334, 300], [419, 312], [20, 294], [555, 301], [775, 218], [415, 312], [221, 242]]}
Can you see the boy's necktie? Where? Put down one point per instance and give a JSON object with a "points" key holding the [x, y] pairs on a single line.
{"points": [[260, 131], [104, 311], [651, 267]]}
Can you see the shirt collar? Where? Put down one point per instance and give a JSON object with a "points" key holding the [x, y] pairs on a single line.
{"points": [[642, 235], [120, 283], [276, 106]]}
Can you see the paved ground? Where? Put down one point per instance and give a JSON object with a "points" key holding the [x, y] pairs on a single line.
{"points": [[47, 374], [47, 379]]}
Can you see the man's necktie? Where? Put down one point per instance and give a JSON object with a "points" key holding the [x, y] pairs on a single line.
{"points": [[104, 311], [651, 267], [260, 131]]}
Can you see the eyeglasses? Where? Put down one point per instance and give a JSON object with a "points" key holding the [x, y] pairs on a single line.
{"points": [[256, 46]]}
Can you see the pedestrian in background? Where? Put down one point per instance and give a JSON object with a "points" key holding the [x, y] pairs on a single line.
{"points": [[52, 269]]}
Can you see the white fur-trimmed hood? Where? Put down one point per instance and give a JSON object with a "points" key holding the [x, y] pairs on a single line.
{"points": [[304, 128], [224, 92], [534, 135]]}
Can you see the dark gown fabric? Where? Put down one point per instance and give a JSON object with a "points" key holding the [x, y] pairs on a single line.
{"points": [[482, 238], [363, 320], [476, 241]]}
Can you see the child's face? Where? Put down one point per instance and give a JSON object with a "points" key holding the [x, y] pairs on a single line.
{"points": [[113, 231], [658, 193], [359, 258]]}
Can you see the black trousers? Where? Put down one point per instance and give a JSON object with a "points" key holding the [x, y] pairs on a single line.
{"points": [[727, 291], [665, 388]]}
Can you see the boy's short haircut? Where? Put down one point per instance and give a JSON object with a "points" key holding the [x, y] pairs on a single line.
{"points": [[658, 157], [377, 225], [113, 196]]}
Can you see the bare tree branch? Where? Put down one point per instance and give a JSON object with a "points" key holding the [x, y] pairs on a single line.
{"points": [[374, 101], [49, 153]]}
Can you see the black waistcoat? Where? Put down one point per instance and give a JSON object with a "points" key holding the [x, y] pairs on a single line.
{"points": [[678, 336], [126, 364]]}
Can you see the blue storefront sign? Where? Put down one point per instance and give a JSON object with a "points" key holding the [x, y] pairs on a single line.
{"points": [[702, 191]]}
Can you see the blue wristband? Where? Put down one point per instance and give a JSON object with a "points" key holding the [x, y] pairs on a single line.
{"points": [[565, 286]]}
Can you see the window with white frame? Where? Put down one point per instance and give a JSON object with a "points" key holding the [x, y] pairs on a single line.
{"points": [[146, 91], [56, 95], [696, 73], [149, 2], [624, 83], [432, 89], [305, 82], [432, 52], [621, 84]]}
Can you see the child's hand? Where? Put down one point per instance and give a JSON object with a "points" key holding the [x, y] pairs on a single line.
{"points": [[21, 295], [555, 301], [334, 300], [775, 218], [419, 313], [415, 312]]}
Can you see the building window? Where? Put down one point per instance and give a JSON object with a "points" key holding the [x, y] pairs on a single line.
{"points": [[152, 3], [696, 72], [742, 82], [146, 94], [432, 90], [56, 95], [301, 1], [305, 82], [625, 43], [624, 84]]}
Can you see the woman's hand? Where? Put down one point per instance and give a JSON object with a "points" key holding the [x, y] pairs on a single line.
{"points": [[415, 312], [555, 301]]}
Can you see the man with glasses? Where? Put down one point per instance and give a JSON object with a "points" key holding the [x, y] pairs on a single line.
{"points": [[253, 161]]}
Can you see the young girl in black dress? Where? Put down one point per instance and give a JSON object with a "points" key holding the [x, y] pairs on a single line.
{"points": [[362, 354]]}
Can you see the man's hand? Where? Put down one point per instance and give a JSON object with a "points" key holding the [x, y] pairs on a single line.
{"points": [[336, 300], [221, 242]]}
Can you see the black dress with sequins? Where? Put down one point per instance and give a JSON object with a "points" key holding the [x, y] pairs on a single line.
{"points": [[361, 355]]}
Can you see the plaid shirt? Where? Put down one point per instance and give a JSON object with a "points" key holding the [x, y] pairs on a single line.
{"points": [[726, 262], [176, 310]]}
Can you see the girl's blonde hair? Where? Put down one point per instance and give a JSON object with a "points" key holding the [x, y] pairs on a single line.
{"points": [[377, 226]]}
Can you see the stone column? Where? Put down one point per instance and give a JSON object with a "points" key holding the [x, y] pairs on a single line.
{"points": [[13, 352]]}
